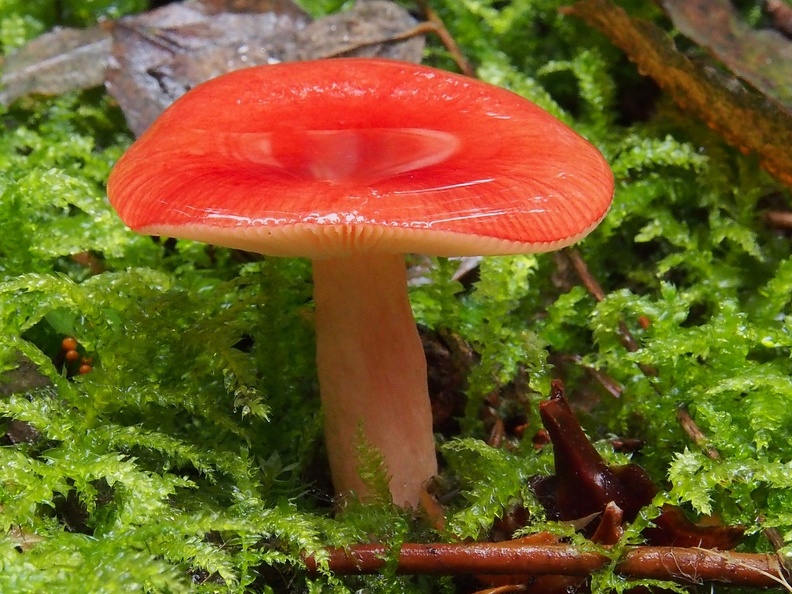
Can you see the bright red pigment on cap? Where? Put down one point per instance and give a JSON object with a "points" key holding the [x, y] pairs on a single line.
{"points": [[328, 158]]}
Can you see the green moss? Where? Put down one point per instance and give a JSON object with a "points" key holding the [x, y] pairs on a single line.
{"points": [[188, 459]]}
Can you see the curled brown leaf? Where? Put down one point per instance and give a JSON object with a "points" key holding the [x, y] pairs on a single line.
{"points": [[747, 120], [56, 62], [762, 57], [584, 485]]}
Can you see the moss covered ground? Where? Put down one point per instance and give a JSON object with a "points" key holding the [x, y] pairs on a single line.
{"points": [[189, 459]]}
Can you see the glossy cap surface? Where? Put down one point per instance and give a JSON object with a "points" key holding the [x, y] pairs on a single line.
{"points": [[331, 157]]}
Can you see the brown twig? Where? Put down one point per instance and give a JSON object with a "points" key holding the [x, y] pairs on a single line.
{"points": [[693, 431], [585, 276], [679, 564], [780, 219], [508, 589], [439, 28], [613, 387], [433, 24], [700, 439], [593, 287], [419, 29]]}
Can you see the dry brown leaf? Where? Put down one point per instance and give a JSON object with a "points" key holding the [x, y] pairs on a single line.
{"points": [[161, 54], [56, 62], [746, 120], [363, 32], [763, 58], [23, 539], [147, 61], [24, 377]]}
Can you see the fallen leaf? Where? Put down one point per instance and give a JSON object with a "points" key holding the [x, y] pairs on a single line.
{"points": [[366, 31], [24, 376], [161, 54], [22, 539], [763, 58], [147, 61], [56, 62], [746, 120], [19, 432], [584, 485]]}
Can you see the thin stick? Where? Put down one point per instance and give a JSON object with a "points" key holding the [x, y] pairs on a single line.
{"points": [[585, 276], [700, 439], [593, 287], [445, 36], [779, 218], [433, 24], [678, 564], [611, 385], [693, 431]]}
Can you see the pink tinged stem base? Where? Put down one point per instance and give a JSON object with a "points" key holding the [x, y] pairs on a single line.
{"points": [[372, 373]]}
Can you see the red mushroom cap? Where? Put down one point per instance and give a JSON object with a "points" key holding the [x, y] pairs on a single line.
{"points": [[330, 157]]}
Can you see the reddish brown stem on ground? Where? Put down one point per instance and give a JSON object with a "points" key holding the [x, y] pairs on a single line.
{"points": [[613, 387], [700, 439], [439, 28], [693, 431], [678, 564], [779, 218], [593, 287]]}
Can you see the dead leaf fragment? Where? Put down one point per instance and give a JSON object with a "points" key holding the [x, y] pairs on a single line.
{"points": [[161, 54], [584, 485], [763, 58], [365, 31], [20, 432], [147, 61], [22, 539], [210, 7], [56, 62], [24, 377], [746, 120]]}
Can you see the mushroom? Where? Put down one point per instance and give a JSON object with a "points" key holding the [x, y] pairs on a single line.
{"points": [[353, 163]]}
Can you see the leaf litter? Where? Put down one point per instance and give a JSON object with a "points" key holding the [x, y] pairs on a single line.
{"points": [[753, 122], [147, 61]]}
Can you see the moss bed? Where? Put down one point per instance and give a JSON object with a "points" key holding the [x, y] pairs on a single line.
{"points": [[189, 458]]}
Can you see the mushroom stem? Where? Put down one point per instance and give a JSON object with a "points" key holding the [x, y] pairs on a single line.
{"points": [[372, 373]]}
